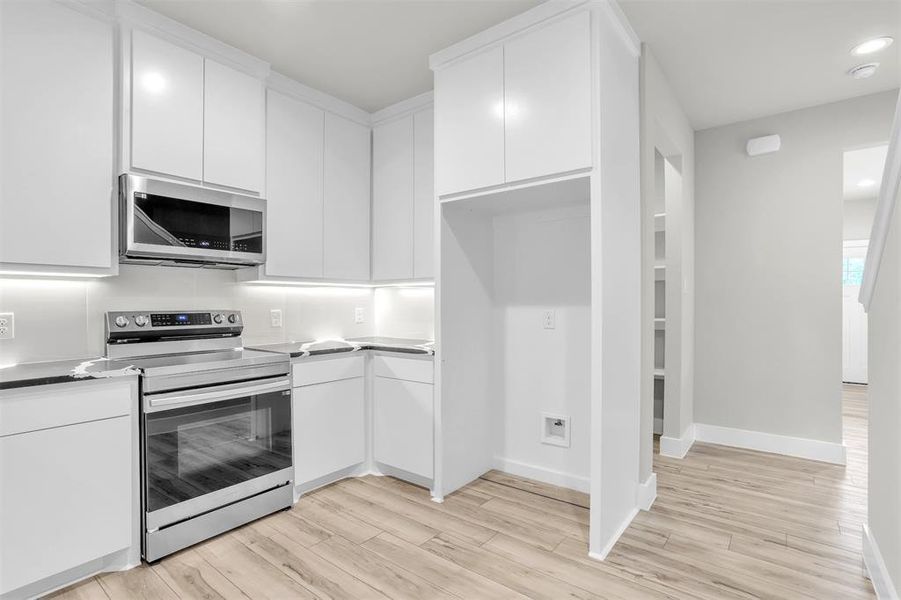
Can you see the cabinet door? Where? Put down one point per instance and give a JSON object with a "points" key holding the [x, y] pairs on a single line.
{"points": [[423, 194], [66, 498], [293, 187], [547, 79], [233, 126], [56, 115], [346, 199], [329, 428], [469, 97], [403, 425], [166, 108], [392, 200]]}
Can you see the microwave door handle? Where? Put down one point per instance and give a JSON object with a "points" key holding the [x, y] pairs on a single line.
{"points": [[155, 228], [182, 399]]}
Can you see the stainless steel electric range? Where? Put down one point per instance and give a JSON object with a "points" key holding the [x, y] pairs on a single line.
{"points": [[215, 424]]}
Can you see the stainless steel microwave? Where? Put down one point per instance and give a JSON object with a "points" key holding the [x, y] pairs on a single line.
{"points": [[163, 222]]}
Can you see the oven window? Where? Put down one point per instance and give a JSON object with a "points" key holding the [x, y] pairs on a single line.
{"points": [[196, 450], [183, 223]]}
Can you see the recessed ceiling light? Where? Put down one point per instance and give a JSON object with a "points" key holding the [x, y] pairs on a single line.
{"points": [[871, 46], [866, 183], [863, 71]]}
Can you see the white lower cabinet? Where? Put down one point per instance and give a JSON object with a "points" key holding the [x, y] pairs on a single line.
{"points": [[329, 418], [403, 425], [67, 488]]}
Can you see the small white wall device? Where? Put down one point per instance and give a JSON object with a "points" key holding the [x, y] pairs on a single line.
{"points": [[764, 145]]}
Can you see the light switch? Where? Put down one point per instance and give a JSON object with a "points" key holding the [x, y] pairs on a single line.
{"points": [[359, 316], [275, 317]]}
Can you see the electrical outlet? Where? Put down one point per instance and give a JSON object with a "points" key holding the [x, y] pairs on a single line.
{"points": [[550, 319], [359, 316], [7, 329], [275, 317]]}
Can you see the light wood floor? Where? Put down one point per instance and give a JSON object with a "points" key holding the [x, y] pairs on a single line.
{"points": [[727, 523]]}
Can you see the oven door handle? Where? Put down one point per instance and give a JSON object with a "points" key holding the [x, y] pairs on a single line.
{"points": [[218, 394]]}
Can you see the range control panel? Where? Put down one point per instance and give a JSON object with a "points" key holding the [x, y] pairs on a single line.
{"points": [[173, 323]]}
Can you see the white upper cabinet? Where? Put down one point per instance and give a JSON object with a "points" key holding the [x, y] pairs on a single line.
{"points": [[294, 148], [392, 200], [166, 108], [547, 88], [233, 125], [346, 199], [423, 194], [469, 96], [517, 111], [56, 115]]}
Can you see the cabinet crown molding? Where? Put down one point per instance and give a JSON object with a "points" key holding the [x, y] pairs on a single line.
{"points": [[403, 108]]}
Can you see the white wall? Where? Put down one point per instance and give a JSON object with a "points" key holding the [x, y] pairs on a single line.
{"points": [[666, 130], [858, 218], [884, 451], [768, 240], [60, 319], [542, 262]]}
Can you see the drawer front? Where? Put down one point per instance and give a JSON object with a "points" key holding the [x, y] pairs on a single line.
{"points": [[408, 369], [43, 407], [311, 372]]}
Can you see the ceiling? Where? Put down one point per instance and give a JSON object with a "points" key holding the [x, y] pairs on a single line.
{"points": [[734, 60], [863, 172], [371, 53]]}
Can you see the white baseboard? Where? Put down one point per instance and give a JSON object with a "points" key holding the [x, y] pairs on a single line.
{"points": [[647, 492], [769, 442], [872, 558], [678, 447], [542, 474], [615, 537]]}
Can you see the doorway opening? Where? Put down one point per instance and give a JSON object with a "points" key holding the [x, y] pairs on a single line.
{"points": [[862, 176]]}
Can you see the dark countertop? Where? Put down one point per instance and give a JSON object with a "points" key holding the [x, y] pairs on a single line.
{"points": [[387, 344], [63, 371]]}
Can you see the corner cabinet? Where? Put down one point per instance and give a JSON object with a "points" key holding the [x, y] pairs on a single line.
{"points": [[194, 118], [403, 198], [517, 111], [57, 119]]}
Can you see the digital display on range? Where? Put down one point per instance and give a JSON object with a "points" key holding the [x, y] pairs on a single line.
{"points": [[174, 319]]}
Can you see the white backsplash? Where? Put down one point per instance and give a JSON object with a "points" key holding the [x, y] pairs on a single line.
{"points": [[405, 312], [61, 319]]}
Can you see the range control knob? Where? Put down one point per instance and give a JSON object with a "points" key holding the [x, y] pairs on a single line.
{"points": [[121, 321], [232, 318], [140, 320], [217, 319]]}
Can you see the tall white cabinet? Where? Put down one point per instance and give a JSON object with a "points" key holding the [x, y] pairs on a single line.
{"points": [[57, 121], [537, 125], [403, 194]]}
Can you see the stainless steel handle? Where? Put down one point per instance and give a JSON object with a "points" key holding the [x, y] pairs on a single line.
{"points": [[217, 394]]}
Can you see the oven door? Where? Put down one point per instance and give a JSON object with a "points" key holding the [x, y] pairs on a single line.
{"points": [[209, 447], [163, 220]]}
